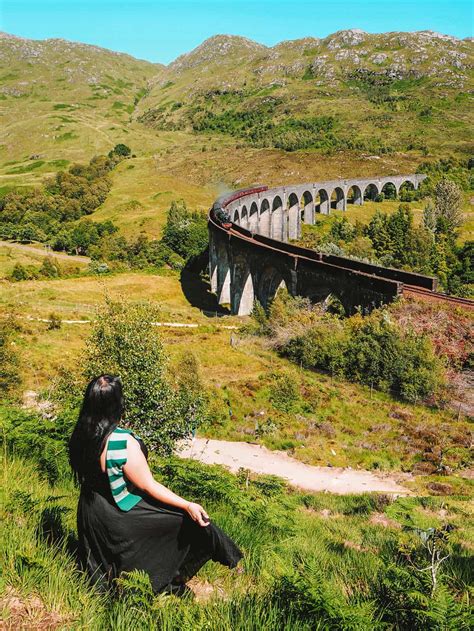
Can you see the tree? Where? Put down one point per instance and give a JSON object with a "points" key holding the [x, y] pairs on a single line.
{"points": [[185, 232], [125, 342], [429, 216], [121, 150], [448, 203]]}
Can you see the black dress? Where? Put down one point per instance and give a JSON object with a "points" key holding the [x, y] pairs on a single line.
{"points": [[155, 537]]}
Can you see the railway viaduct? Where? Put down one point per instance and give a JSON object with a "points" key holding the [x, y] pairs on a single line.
{"points": [[251, 254]]}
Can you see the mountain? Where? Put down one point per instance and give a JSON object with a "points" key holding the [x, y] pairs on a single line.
{"points": [[61, 98], [381, 93], [232, 112]]}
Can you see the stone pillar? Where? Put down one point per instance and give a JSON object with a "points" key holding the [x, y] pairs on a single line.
{"points": [[245, 305], [224, 296]]}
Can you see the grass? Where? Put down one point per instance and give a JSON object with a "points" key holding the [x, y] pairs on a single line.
{"points": [[332, 422], [10, 255], [304, 545]]}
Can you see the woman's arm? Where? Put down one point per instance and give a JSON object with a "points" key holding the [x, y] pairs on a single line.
{"points": [[138, 472]]}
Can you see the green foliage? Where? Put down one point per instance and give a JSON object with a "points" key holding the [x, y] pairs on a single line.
{"points": [[398, 242], [302, 571], [185, 232], [370, 350], [10, 377], [125, 342], [42, 438], [49, 268], [342, 230], [284, 392], [49, 214], [448, 203], [120, 150]]}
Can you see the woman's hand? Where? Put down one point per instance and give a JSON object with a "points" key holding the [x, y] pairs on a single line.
{"points": [[198, 514]]}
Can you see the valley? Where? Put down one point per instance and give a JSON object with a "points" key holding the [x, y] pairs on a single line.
{"points": [[108, 168]]}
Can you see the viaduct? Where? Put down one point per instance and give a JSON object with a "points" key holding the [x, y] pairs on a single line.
{"points": [[251, 254]]}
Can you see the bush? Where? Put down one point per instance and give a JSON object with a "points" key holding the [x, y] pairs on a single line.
{"points": [[370, 350], [284, 392], [125, 342], [9, 357]]}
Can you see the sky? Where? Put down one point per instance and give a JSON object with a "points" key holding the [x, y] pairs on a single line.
{"points": [[160, 30]]}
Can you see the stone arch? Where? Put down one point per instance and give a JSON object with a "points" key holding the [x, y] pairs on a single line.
{"points": [[307, 208], [253, 218], [236, 218], [406, 190], [338, 199], [271, 280], [371, 191], [264, 221], [389, 190], [354, 195], [242, 286], [321, 202], [223, 275], [293, 216], [276, 224], [244, 218]]}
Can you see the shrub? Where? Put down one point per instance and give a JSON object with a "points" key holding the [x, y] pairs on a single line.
{"points": [[284, 392], [54, 322], [9, 358], [125, 342], [370, 350]]}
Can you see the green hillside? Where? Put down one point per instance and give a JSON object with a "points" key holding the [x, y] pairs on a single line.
{"points": [[226, 114], [351, 90]]}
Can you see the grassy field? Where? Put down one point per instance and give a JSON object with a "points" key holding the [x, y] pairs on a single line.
{"points": [[310, 561], [332, 422]]}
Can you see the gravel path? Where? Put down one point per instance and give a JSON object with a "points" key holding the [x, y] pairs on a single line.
{"points": [[259, 459]]}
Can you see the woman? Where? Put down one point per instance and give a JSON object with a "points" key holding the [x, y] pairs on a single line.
{"points": [[126, 520]]}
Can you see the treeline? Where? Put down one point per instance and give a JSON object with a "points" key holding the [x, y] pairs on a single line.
{"points": [[184, 237], [52, 209], [393, 240], [56, 214]]}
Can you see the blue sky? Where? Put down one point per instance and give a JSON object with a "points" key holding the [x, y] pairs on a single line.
{"points": [[161, 30]]}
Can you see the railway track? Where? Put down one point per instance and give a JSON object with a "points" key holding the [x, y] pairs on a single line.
{"points": [[435, 296]]}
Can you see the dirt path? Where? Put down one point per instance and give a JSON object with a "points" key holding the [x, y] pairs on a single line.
{"points": [[169, 325], [44, 252], [261, 460]]}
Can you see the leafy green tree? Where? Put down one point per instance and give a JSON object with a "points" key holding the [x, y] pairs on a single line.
{"points": [[448, 203], [185, 232], [121, 150], [379, 233], [342, 230], [125, 342], [429, 216]]}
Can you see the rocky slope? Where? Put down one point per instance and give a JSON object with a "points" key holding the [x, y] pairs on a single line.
{"points": [[393, 91]]}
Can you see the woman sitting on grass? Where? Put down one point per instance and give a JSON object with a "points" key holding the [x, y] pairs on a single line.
{"points": [[125, 519]]}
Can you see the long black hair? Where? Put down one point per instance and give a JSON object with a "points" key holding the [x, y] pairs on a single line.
{"points": [[101, 411]]}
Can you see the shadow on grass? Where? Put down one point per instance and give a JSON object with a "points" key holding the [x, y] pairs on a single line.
{"points": [[51, 530], [197, 289]]}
